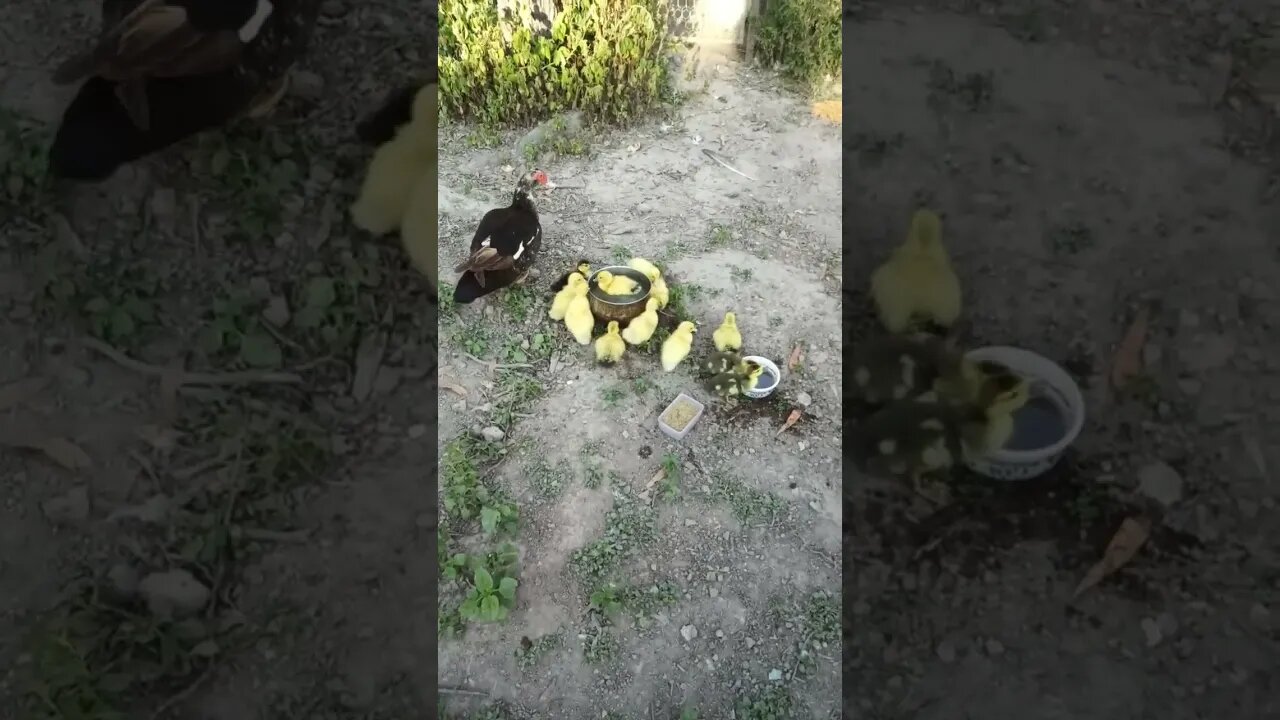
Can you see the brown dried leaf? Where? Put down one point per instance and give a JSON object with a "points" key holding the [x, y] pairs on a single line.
{"points": [[797, 354], [1128, 360], [19, 391], [1124, 545], [792, 419]]}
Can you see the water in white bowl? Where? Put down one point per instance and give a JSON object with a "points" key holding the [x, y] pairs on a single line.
{"points": [[1038, 424]]}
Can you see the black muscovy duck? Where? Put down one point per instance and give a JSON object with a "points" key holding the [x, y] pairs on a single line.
{"points": [[505, 245], [164, 70]]}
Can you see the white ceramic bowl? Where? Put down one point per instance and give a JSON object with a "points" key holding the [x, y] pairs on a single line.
{"points": [[761, 390], [1047, 380]]}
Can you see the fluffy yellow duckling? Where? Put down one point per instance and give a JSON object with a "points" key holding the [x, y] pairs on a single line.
{"points": [[917, 283], [560, 303], [726, 337], [578, 318], [657, 286], [611, 284], [676, 348], [640, 329], [609, 346]]}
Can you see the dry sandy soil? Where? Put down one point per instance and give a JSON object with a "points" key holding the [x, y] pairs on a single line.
{"points": [[285, 523], [1086, 164], [726, 572]]}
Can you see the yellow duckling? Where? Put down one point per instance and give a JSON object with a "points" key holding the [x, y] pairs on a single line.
{"points": [[560, 303], [640, 329], [676, 348], [917, 283], [577, 317], [611, 284], [657, 286], [726, 337], [609, 346]]}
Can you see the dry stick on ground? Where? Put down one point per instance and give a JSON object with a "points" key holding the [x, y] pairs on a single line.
{"points": [[182, 377], [462, 691]]}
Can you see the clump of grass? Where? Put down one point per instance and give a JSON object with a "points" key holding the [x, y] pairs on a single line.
{"points": [[516, 391], [531, 652], [672, 472], [747, 504], [720, 236], [599, 645], [772, 703], [549, 482], [642, 604], [629, 525], [802, 37], [466, 498]]}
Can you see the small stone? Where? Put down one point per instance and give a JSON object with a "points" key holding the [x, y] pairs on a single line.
{"points": [[775, 675], [946, 652], [720, 634], [688, 632], [751, 642], [804, 399], [173, 593], [1161, 483], [1151, 629], [492, 434]]}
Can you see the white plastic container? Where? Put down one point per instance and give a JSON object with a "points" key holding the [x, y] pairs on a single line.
{"points": [[1047, 380], [680, 434], [770, 370]]}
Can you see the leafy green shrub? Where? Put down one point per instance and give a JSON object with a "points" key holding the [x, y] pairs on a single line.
{"points": [[605, 57], [803, 38]]}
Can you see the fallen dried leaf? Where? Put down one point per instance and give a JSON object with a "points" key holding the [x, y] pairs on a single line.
{"points": [[797, 354], [64, 452], [368, 362], [19, 391], [792, 419], [455, 388], [1128, 360], [1124, 545]]}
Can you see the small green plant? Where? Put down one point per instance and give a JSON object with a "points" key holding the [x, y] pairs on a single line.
{"points": [[748, 504], [621, 253], [803, 38], [607, 58], [773, 703], [531, 651], [606, 600], [466, 498], [741, 274], [720, 236], [235, 329], [517, 300], [599, 645], [547, 481], [489, 600], [629, 525], [671, 475], [612, 395]]}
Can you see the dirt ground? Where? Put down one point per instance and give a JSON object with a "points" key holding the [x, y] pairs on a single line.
{"points": [[280, 520], [1096, 169], [724, 569]]}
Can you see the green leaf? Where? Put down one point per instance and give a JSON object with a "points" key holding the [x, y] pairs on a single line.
{"points": [[470, 607], [260, 350], [490, 608], [489, 519], [507, 588], [484, 581]]}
